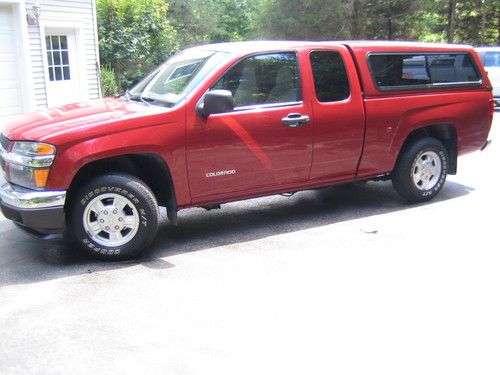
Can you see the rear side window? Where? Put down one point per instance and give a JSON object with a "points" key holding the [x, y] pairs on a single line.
{"points": [[330, 77], [406, 71]]}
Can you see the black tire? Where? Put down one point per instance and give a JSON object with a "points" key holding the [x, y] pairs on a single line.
{"points": [[138, 219], [422, 157]]}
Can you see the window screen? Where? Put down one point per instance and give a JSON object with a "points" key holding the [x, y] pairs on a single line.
{"points": [[414, 70], [330, 77], [57, 57], [263, 79]]}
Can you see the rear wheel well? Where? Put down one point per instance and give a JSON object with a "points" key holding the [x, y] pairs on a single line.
{"points": [[445, 133], [150, 168]]}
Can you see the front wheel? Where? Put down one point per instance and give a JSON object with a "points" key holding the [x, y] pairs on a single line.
{"points": [[114, 217], [421, 170]]}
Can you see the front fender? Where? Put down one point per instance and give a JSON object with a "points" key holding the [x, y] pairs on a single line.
{"points": [[164, 140]]}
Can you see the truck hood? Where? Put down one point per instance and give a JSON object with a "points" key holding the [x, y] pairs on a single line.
{"points": [[85, 119]]}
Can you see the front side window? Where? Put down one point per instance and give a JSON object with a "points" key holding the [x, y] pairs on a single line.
{"points": [[263, 79], [330, 77], [400, 71]]}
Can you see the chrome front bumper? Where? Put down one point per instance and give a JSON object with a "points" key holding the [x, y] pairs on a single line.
{"points": [[26, 198], [39, 212]]}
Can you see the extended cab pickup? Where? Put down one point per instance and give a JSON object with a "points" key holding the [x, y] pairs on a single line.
{"points": [[225, 122]]}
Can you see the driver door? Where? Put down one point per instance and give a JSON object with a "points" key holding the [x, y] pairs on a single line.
{"points": [[265, 142]]}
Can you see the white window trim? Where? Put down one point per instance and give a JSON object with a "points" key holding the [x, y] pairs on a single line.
{"points": [[78, 28], [96, 44], [23, 55]]}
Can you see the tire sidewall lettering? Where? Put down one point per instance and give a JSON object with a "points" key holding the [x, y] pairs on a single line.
{"points": [[140, 199], [442, 178], [86, 241]]}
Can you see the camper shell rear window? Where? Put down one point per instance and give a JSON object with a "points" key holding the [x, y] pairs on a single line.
{"points": [[406, 71]]}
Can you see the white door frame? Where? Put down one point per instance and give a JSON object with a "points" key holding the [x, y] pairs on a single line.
{"points": [[23, 54], [78, 28]]}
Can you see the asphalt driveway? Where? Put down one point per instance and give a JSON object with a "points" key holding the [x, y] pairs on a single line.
{"points": [[346, 280]]}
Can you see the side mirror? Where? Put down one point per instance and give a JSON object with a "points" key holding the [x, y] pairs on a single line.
{"points": [[215, 101]]}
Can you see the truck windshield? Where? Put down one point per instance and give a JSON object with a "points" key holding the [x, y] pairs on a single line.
{"points": [[176, 78]]}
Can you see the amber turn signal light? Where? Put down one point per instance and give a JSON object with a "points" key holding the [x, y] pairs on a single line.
{"points": [[41, 176]]}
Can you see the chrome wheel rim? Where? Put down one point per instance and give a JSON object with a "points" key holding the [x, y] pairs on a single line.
{"points": [[427, 170], [111, 220]]}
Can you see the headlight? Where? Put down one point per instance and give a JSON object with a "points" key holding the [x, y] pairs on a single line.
{"points": [[28, 163]]}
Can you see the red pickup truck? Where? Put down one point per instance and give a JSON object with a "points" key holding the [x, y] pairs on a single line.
{"points": [[225, 122]]}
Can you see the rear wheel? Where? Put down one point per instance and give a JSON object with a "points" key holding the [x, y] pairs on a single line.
{"points": [[114, 217], [421, 170]]}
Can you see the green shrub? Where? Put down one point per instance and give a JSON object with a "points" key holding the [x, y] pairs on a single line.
{"points": [[135, 36], [108, 81]]}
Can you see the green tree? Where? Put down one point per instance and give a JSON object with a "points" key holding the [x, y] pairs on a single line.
{"points": [[207, 21], [303, 19], [333, 19], [391, 19], [134, 36], [477, 21], [235, 20], [474, 22], [194, 20]]}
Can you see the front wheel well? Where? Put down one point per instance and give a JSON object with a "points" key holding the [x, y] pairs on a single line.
{"points": [[149, 168], [445, 133]]}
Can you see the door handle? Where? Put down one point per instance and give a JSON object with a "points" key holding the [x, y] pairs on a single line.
{"points": [[295, 120]]}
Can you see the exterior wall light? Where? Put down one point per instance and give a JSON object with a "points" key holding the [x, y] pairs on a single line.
{"points": [[33, 14]]}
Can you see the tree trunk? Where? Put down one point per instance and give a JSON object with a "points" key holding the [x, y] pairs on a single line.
{"points": [[483, 22], [389, 29], [450, 30], [498, 26], [355, 19], [118, 75]]}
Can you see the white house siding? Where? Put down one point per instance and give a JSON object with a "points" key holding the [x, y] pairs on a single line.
{"points": [[81, 11], [11, 93]]}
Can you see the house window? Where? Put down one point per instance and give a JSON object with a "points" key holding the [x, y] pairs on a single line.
{"points": [[57, 57]]}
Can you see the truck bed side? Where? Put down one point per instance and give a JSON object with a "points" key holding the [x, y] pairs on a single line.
{"points": [[461, 114]]}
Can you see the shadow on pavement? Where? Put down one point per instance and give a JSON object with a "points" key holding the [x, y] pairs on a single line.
{"points": [[27, 260]]}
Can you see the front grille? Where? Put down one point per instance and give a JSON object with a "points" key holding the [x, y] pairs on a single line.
{"points": [[4, 142]]}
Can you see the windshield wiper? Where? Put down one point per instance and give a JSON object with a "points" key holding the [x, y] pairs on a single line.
{"points": [[138, 98], [147, 100]]}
